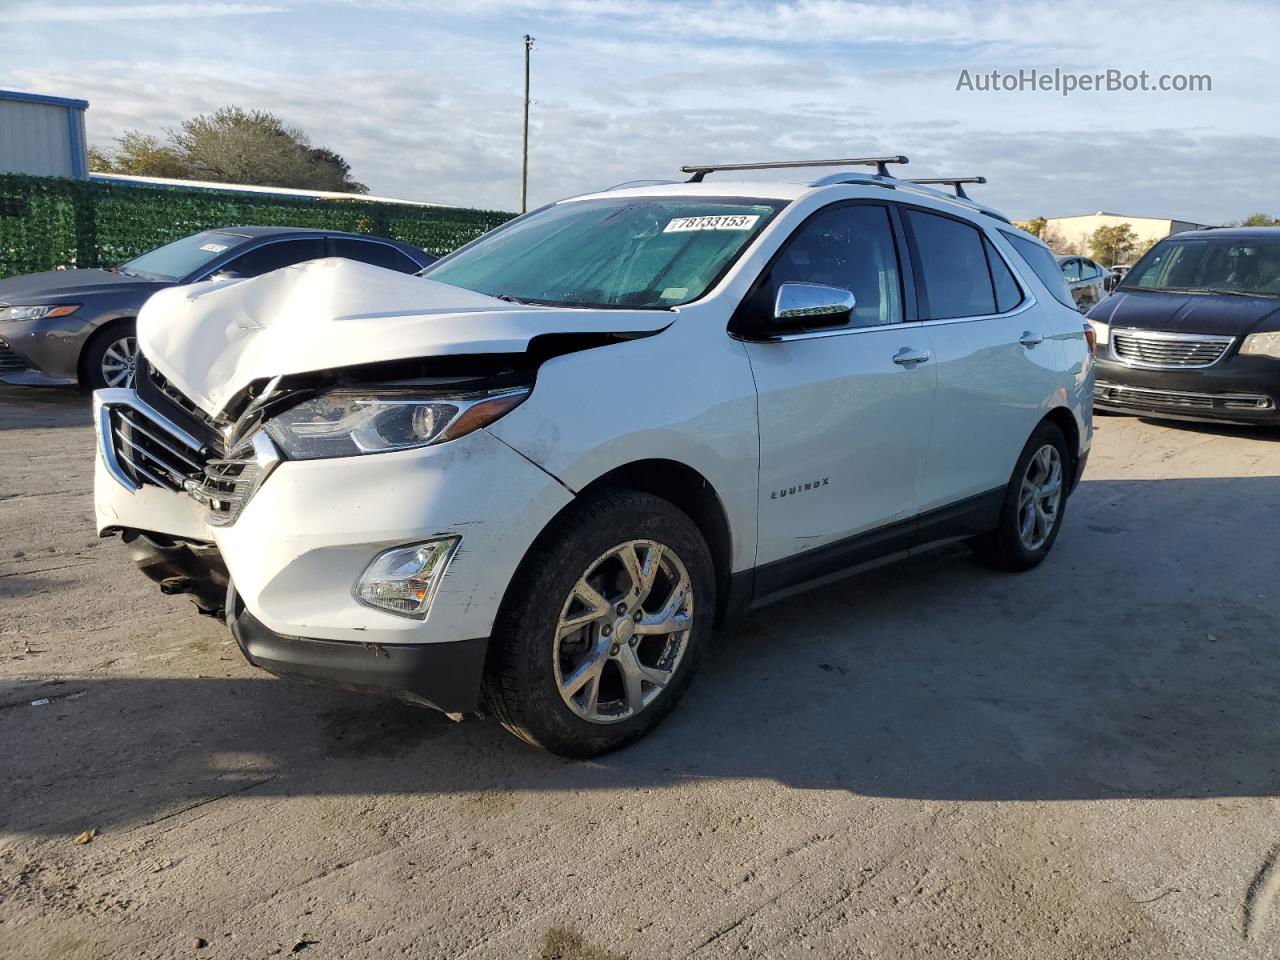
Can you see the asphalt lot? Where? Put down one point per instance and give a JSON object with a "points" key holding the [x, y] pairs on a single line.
{"points": [[933, 760]]}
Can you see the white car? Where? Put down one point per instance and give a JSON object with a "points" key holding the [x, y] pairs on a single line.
{"points": [[529, 481]]}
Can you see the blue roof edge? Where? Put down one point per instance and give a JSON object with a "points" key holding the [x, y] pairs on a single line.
{"points": [[42, 98]]}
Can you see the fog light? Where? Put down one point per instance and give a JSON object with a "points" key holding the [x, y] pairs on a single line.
{"points": [[404, 580]]}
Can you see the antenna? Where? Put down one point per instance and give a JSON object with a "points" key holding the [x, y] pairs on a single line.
{"points": [[880, 163], [956, 182]]}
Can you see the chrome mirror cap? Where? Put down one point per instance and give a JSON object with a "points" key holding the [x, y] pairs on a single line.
{"points": [[800, 304]]}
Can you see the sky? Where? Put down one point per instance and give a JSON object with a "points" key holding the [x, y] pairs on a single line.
{"points": [[423, 97]]}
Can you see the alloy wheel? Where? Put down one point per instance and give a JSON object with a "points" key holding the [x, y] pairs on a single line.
{"points": [[119, 362], [623, 631], [1040, 497]]}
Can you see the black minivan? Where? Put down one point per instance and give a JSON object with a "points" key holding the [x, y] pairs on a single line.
{"points": [[1193, 331]]}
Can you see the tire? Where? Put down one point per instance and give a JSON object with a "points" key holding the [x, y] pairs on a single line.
{"points": [[546, 638], [1008, 547], [109, 358]]}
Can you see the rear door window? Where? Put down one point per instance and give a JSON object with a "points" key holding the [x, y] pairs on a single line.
{"points": [[1008, 293], [1045, 266], [276, 254], [378, 254], [954, 278]]}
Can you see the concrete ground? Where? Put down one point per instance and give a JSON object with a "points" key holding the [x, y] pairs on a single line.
{"points": [[929, 761]]}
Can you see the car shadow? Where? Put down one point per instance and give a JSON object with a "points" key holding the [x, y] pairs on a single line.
{"points": [[1139, 661], [1242, 430], [43, 408]]}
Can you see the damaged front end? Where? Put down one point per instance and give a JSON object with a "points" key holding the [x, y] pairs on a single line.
{"points": [[304, 455], [153, 439]]}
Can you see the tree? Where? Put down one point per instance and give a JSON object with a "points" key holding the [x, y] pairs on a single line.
{"points": [[232, 145], [1053, 239], [1035, 226], [99, 161], [141, 155], [1110, 245], [1259, 220]]}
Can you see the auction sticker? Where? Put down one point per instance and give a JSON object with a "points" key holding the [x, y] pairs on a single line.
{"points": [[728, 222], [213, 247]]}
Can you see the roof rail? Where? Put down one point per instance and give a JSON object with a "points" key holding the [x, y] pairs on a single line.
{"points": [[701, 170], [956, 182], [921, 186], [626, 184], [867, 179]]}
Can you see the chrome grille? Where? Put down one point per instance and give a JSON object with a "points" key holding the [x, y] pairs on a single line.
{"points": [[1108, 393], [141, 447], [10, 362], [225, 485], [148, 453], [1153, 348]]}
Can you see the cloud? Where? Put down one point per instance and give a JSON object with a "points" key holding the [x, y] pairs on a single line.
{"points": [[44, 13], [423, 96]]}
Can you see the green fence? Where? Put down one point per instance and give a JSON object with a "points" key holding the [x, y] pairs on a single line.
{"points": [[49, 222]]}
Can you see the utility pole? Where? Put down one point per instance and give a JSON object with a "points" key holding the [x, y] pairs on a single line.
{"points": [[524, 153]]}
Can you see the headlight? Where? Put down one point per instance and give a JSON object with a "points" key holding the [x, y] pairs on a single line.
{"points": [[1101, 331], [346, 423], [1261, 345], [404, 580], [38, 313]]}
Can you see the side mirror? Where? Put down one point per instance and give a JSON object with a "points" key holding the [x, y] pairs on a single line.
{"points": [[807, 306]]}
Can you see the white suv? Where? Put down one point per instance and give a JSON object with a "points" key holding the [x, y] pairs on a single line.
{"points": [[531, 480]]}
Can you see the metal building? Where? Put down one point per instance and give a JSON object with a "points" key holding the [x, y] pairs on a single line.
{"points": [[42, 135]]}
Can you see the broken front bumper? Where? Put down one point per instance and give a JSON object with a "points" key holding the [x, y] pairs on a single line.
{"points": [[299, 545], [446, 676]]}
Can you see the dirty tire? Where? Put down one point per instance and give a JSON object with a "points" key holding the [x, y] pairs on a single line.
{"points": [[520, 687], [1003, 548]]}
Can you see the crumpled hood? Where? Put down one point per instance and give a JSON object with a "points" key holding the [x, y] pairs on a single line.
{"points": [[212, 339], [1173, 312], [69, 286]]}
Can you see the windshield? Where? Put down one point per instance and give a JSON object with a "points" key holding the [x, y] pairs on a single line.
{"points": [[637, 252], [176, 260], [1210, 265]]}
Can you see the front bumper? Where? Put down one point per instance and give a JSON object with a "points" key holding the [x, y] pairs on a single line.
{"points": [[1236, 389], [446, 676], [301, 542], [49, 348]]}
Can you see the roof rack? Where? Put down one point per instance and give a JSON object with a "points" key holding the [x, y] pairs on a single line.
{"points": [[880, 163], [956, 182]]}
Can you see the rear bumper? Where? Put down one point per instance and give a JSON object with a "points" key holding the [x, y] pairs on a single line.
{"points": [[1234, 390], [445, 675]]}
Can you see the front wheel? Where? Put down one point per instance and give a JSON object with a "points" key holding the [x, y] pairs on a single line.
{"points": [[111, 359], [1034, 504], [604, 627]]}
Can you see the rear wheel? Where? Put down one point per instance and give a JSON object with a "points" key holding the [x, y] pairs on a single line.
{"points": [[604, 627], [111, 358], [1034, 503]]}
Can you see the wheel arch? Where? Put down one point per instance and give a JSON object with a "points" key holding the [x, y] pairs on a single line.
{"points": [[678, 484], [103, 330], [1065, 420]]}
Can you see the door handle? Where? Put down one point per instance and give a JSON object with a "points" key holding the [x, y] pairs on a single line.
{"points": [[1030, 339], [909, 355]]}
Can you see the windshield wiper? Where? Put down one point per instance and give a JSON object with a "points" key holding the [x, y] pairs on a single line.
{"points": [[1241, 293], [510, 299]]}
